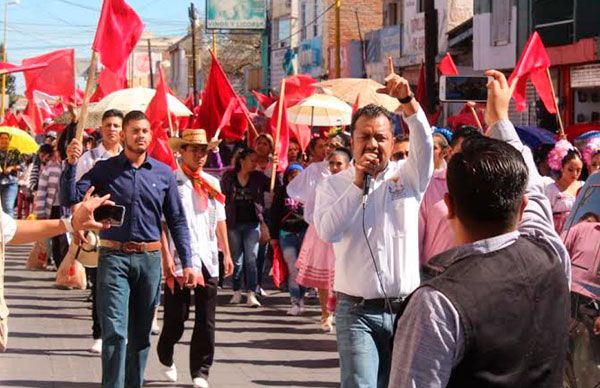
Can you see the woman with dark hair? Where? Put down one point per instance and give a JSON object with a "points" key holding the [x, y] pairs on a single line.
{"points": [[565, 160], [287, 230], [295, 154], [244, 190]]}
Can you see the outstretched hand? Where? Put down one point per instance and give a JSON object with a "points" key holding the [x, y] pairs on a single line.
{"points": [[499, 93], [395, 86], [83, 213]]}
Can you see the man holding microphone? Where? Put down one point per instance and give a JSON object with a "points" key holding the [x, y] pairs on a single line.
{"points": [[375, 235]]}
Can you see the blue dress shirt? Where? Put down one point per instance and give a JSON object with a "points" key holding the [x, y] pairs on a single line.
{"points": [[147, 192]]}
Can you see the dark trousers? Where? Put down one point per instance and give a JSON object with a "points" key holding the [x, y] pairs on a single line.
{"points": [[96, 332], [177, 308], [60, 244]]}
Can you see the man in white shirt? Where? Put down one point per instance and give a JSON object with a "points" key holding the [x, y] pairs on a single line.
{"points": [[375, 243], [204, 207], [112, 122]]}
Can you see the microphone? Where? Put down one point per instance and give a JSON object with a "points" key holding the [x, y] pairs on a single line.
{"points": [[366, 187]]}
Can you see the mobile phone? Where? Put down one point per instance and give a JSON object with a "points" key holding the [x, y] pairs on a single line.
{"points": [[114, 214], [463, 88]]}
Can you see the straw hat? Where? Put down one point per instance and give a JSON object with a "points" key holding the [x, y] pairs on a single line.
{"points": [[192, 136]]}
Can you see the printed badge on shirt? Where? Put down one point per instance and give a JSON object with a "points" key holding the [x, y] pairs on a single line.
{"points": [[396, 189]]}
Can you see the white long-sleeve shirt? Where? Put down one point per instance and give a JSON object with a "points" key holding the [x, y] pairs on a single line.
{"points": [[303, 188], [89, 159], [391, 217]]}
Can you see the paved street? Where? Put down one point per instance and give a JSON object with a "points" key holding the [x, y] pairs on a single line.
{"points": [[50, 332]]}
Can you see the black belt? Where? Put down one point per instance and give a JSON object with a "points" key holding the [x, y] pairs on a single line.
{"points": [[379, 303]]}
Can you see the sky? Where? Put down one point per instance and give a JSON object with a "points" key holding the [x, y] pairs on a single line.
{"points": [[39, 26]]}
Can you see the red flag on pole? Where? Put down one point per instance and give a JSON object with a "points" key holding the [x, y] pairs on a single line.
{"points": [[447, 66], [217, 95], [7, 68], [298, 87], [33, 117], [233, 123], [157, 113], [533, 64], [57, 78], [281, 148], [356, 104], [301, 133], [263, 100], [119, 30], [422, 88]]}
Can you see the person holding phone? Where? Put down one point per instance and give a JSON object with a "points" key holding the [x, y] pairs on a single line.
{"points": [[204, 207], [111, 127], [129, 266]]}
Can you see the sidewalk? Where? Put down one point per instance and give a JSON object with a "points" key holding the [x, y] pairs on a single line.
{"points": [[50, 333]]}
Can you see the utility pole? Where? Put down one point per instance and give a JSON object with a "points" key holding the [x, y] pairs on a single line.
{"points": [[192, 15], [151, 64], [362, 46], [431, 50], [338, 39]]}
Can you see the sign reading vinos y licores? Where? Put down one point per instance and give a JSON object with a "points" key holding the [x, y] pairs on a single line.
{"points": [[236, 14]]}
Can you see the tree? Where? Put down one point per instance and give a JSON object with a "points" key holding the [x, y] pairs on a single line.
{"points": [[10, 79]]}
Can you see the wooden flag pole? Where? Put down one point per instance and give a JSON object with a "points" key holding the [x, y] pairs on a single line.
{"points": [[86, 97], [561, 129], [474, 112], [279, 114]]}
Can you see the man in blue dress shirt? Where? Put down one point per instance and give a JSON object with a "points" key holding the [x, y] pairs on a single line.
{"points": [[129, 266]]}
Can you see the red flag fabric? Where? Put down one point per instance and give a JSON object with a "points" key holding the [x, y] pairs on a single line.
{"points": [[281, 148], [447, 66], [57, 78], [422, 88], [217, 95], [301, 133], [108, 82], [279, 267], [298, 87], [10, 120], [264, 101], [158, 115], [33, 118], [119, 30], [356, 104], [7, 68], [533, 64], [233, 123]]}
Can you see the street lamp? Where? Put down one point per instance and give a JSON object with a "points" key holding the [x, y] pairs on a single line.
{"points": [[6, 4]]}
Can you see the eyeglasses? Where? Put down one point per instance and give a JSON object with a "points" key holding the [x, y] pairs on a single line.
{"points": [[400, 155]]}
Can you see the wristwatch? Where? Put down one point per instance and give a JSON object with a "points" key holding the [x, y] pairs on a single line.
{"points": [[68, 223], [407, 99]]}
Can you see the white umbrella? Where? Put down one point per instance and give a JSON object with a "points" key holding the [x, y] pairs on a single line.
{"points": [[130, 99], [318, 110]]}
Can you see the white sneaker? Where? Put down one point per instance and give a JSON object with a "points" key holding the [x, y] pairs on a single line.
{"points": [[236, 298], [260, 291], [251, 300], [295, 310], [96, 347], [155, 328], [200, 382], [170, 373]]}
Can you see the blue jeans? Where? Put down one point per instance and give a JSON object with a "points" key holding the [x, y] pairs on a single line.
{"points": [[290, 247], [243, 242], [126, 298], [363, 340], [8, 194]]}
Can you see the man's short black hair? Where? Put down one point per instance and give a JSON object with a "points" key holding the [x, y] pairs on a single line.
{"points": [[134, 115], [464, 132], [487, 181], [46, 149], [112, 113], [371, 111]]}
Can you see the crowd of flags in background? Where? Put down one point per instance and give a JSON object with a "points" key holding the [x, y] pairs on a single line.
{"points": [[50, 88]]}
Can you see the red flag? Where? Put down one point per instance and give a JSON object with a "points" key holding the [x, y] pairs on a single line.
{"points": [[119, 30], [281, 148], [10, 120], [57, 78], [301, 133], [422, 88], [534, 64], [279, 267], [264, 101], [233, 123], [447, 66], [158, 115], [299, 87], [33, 118], [217, 95], [108, 82], [356, 104], [7, 68]]}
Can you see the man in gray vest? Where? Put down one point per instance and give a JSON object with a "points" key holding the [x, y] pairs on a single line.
{"points": [[496, 313]]}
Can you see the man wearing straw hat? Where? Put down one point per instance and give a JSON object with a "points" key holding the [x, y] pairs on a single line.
{"points": [[204, 207]]}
